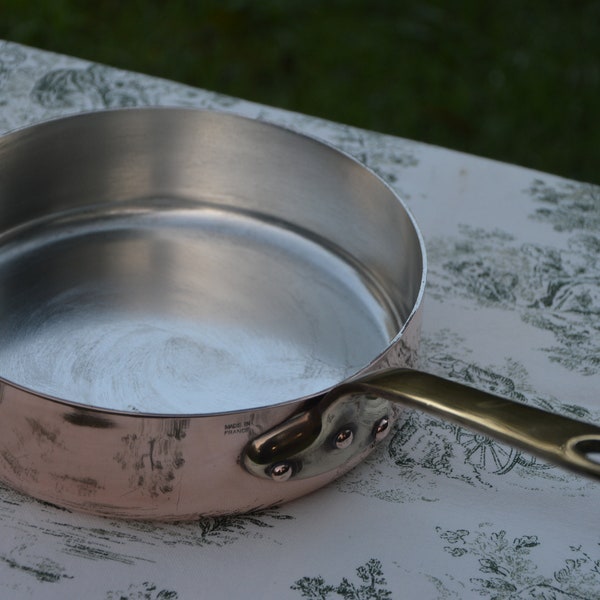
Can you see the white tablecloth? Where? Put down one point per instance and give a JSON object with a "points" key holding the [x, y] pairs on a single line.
{"points": [[512, 306]]}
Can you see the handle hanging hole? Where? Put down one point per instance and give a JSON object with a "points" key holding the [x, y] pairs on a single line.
{"points": [[589, 449]]}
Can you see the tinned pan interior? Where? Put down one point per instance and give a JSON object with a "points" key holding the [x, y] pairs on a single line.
{"points": [[129, 159]]}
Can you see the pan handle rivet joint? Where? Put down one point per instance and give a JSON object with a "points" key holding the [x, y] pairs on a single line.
{"points": [[343, 438], [281, 471], [381, 429]]}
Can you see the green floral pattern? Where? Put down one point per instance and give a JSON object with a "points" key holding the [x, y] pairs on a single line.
{"points": [[371, 585], [145, 591], [506, 568], [555, 289], [567, 206], [501, 567]]}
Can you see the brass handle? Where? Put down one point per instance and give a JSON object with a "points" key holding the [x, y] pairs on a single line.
{"points": [[572, 444], [348, 421]]}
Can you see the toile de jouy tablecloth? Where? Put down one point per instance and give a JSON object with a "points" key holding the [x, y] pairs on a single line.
{"points": [[512, 306]]}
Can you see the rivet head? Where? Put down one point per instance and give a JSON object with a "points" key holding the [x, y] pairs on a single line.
{"points": [[382, 428], [281, 471], [343, 439]]}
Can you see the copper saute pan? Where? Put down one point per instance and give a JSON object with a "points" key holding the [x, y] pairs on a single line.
{"points": [[205, 314]]}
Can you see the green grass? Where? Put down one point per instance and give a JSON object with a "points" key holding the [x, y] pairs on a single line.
{"points": [[515, 80]]}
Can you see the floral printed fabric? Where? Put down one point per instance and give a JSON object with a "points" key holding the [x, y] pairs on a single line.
{"points": [[512, 306]]}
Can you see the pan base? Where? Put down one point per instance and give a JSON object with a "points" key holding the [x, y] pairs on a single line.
{"points": [[169, 306]]}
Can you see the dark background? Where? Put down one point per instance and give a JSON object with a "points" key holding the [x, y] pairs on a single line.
{"points": [[515, 80]]}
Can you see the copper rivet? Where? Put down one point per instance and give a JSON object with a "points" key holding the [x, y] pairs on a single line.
{"points": [[343, 439], [382, 428], [281, 471]]}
